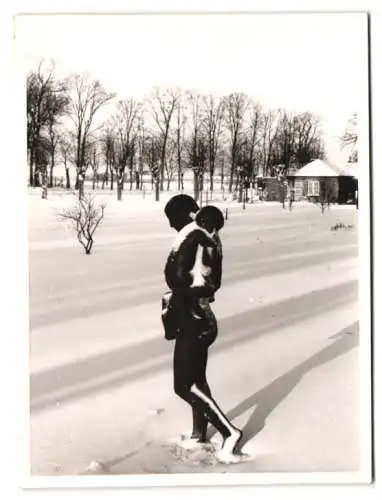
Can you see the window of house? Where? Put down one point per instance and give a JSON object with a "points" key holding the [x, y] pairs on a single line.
{"points": [[313, 188], [298, 188]]}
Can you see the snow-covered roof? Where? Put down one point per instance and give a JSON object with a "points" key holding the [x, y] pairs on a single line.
{"points": [[318, 168]]}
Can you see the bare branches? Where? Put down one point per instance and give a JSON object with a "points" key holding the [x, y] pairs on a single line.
{"points": [[173, 130], [85, 216], [327, 193], [47, 102], [236, 106], [163, 104], [87, 98], [350, 137], [213, 121]]}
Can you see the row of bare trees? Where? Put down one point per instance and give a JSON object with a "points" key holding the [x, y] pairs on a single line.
{"points": [[171, 132]]}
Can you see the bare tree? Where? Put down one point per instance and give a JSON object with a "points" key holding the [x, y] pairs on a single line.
{"points": [[283, 190], [213, 120], [350, 136], [152, 148], [86, 215], [58, 105], [125, 131], [93, 159], [308, 139], [66, 150], [267, 139], [53, 146], [236, 105], [108, 149], [327, 193], [171, 163], [197, 142], [140, 150], [284, 142], [87, 99], [163, 104], [252, 142], [181, 120], [46, 101], [132, 159], [41, 154]]}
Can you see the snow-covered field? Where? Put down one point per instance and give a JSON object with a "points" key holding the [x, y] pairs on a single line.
{"points": [[285, 365]]}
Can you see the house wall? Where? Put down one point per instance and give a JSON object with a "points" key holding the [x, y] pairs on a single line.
{"points": [[312, 187], [347, 189]]}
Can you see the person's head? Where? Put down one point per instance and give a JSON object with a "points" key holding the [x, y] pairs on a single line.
{"points": [[210, 218], [179, 210]]}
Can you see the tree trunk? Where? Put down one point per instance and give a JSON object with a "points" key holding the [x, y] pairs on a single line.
{"points": [[94, 181], [168, 183], [107, 173], [236, 183], [211, 180], [157, 189], [51, 174], [88, 247], [162, 163], [131, 178], [31, 170], [67, 177], [137, 180], [111, 179], [119, 189], [80, 189], [231, 178], [76, 186], [196, 186], [44, 186], [104, 177], [240, 199]]}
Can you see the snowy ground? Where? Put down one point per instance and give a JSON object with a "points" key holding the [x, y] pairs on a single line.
{"points": [[284, 367]]}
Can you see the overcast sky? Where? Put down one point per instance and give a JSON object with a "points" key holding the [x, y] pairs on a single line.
{"points": [[302, 62]]}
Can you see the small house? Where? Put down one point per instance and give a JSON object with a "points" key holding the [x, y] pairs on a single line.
{"points": [[319, 177]]}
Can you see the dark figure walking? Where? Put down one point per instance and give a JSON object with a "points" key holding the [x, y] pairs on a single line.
{"points": [[193, 274]]}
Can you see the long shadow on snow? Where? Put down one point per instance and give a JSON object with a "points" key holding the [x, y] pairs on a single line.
{"points": [[266, 400], [247, 270], [232, 331]]}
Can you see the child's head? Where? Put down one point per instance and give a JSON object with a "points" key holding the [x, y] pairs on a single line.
{"points": [[210, 218]]}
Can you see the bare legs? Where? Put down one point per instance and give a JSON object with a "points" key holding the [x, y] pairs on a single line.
{"points": [[190, 384]]}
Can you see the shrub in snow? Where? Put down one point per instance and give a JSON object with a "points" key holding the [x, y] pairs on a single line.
{"points": [[341, 225], [85, 215]]}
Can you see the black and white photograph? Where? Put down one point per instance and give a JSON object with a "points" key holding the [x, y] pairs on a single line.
{"points": [[198, 248]]}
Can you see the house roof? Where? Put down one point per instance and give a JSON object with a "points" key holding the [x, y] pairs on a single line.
{"points": [[320, 168]]}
